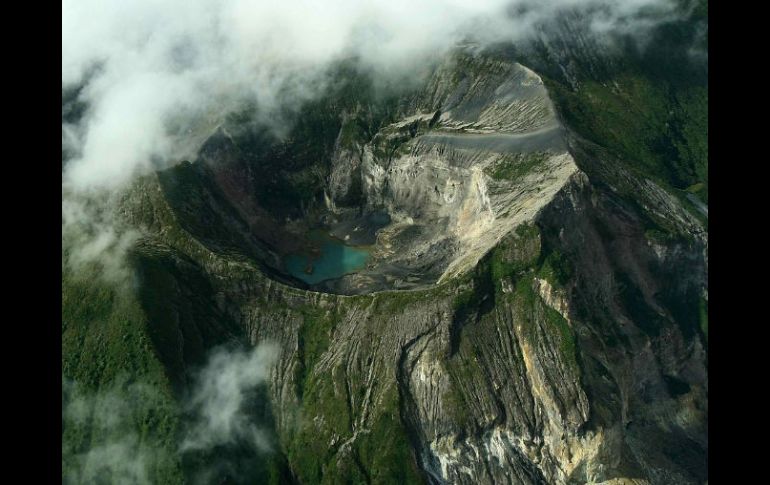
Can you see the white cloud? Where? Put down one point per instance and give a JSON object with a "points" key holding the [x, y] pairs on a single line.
{"points": [[115, 453], [158, 76], [155, 69], [217, 408], [219, 399], [91, 235]]}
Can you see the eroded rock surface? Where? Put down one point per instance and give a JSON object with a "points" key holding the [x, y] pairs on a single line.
{"points": [[546, 336]]}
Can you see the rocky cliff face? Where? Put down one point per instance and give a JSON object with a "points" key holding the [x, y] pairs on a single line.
{"points": [[530, 313], [475, 153]]}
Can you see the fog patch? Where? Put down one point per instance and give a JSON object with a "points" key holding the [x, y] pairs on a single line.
{"points": [[101, 441], [94, 239], [157, 76], [133, 433], [220, 396]]}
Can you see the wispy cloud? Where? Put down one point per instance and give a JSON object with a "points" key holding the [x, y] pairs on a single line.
{"points": [[217, 413], [219, 399], [157, 73], [154, 79], [115, 452], [91, 235]]}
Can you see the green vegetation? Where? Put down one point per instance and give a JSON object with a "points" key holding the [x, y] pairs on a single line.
{"points": [[648, 107], [131, 345], [659, 131], [394, 301], [385, 452], [105, 338], [394, 143], [313, 340], [107, 357], [516, 259], [532, 309], [556, 268], [381, 455], [567, 339], [703, 313], [514, 254], [325, 422], [463, 368], [656, 235], [123, 362], [514, 168], [288, 172], [464, 299], [324, 415]]}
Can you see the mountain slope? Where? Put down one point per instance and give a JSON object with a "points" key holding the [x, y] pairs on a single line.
{"points": [[557, 337]]}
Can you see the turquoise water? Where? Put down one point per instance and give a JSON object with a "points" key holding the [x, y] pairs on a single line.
{"points": [[336, 259]]}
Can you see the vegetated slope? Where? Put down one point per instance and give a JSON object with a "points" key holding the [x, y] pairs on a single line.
{"points": [[574, 351], [644, 100]]}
